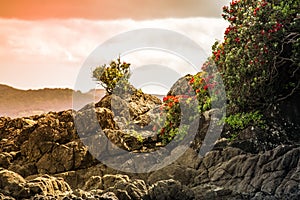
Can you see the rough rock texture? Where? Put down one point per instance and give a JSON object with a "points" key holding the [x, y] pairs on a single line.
{"points": [[181, 87], [43, 157], [16, 186]]}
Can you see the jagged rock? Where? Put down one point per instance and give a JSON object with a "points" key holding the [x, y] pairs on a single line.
{"points": [[108, 196], [211, 192], [121, 185], [181, 87], [64, 158], [13, 184], [170, 190], [48, 185], [49, 143], [93, 183], [5, 159], [130, 108], [267, 172], [4, 197]]}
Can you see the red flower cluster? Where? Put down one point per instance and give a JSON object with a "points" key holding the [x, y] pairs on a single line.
{"points": [[264, 4], [228, 29], [171, 98], [234, 2], [192, 80], [276, 27], [255, 10], [217, 54]]}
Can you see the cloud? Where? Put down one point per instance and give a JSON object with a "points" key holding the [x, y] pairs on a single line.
{"points": [[51, 52]]}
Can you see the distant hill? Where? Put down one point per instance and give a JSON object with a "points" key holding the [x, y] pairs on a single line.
{"points": [[19, 103]]}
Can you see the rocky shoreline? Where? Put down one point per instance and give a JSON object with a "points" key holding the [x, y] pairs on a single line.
{"points": [[43, 157]]}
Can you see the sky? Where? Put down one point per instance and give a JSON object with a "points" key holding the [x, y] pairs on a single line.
{"points": [[46, 43]]}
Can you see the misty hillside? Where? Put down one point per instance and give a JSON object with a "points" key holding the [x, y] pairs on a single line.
{"points": [[17, 103]]}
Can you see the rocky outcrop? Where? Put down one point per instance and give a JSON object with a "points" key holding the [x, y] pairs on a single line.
{"points": [[14, 185], [44, 157]]}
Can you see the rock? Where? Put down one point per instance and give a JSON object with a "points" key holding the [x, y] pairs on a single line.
{"points": [[121, 185], [13, 184], [93, 183], [211, 192], [48, 185], [24, 169], [248, 173], [129, 108], [108, 196], [67, 144], [5, 159], [169, 190], [181, 87], [3, 197]]}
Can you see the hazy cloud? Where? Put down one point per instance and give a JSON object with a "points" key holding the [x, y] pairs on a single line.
{"points": [[49, 53]]}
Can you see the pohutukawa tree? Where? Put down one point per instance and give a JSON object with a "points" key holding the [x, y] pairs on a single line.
{"points": [[259, 57]]}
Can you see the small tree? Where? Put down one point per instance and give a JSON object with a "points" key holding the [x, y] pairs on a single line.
{"points": [[113, 76]]}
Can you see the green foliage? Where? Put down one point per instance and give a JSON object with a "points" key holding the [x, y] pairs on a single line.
{"points": [[200, 84], [240, 121], [259, 57], [137, 135], [181, 110], [177, 112], [114, 76]]}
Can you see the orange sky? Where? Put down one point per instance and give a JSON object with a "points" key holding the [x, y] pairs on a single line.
{"points": [[109, 9], [43, 43]]}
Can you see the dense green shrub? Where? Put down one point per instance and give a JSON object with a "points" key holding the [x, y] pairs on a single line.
{"points": [[259, 57], [113, 76]]}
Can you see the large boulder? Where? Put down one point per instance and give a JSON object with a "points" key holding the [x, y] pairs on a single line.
{"points": [[13, 184]]}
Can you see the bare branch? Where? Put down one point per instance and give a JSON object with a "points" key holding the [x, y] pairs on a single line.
{"points": [[291, 93]]}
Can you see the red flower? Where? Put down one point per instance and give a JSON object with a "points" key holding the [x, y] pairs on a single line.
{"points": [[162, 131], [217, 54], [228, 29], [192, 80], [255, 10], [225, 8], [234, 2], [205, 87], [232, 19], [237, 40], [175, 99], [197, 91]]}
